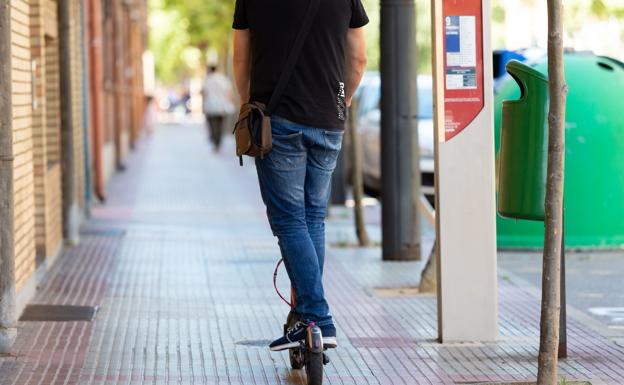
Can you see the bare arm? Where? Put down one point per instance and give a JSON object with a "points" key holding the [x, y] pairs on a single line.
{"points": [[242, 63], [355, 61]]}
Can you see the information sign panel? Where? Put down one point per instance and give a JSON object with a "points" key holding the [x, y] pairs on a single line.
{"points": [[463, 64]]}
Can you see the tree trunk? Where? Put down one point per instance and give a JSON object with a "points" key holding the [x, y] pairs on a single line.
{"points": [[356, 177], [549, 324], [429, 275]]}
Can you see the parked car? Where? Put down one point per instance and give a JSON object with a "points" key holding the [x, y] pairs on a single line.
{"points": [[368, 99]]}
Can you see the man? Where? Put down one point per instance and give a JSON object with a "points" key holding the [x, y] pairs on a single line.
{"points": [[307, 130], [217, 95]]}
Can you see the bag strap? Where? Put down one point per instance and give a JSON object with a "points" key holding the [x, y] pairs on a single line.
{"points": [[293, 57]]}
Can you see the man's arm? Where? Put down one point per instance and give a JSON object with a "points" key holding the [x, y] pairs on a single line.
{"points": [[355, 61], [242, 63]]}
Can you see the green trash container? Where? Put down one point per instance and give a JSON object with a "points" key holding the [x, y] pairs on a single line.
{"points": [[524, 146]]}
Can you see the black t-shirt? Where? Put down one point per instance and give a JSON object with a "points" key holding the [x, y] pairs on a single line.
{"points": [[315, 94]]}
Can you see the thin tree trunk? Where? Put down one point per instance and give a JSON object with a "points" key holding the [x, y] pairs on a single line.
{"points": [[356, 177], [429, 275], [551, 294]]}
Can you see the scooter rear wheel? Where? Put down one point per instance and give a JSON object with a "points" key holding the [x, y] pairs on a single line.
{"points": [[297, 359]]}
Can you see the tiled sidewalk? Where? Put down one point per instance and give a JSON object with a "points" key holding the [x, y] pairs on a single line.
{"points": [[180, 264]]}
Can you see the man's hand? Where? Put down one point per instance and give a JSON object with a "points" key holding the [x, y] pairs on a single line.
{"points": [[242, 63], [355, 61]]}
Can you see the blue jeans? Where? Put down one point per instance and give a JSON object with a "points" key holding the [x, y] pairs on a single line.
{"points": [[295, 180]]}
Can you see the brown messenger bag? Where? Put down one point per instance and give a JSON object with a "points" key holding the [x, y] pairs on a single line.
{"points": [[253, 131]]}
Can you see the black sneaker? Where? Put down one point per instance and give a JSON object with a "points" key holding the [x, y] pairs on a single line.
{"points": [[329, 336], [292, 338], [298, 333]]}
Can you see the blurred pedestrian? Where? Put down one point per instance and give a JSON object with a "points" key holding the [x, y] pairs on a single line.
{"points": [[149, 119], [307, 129], [218, 103]]}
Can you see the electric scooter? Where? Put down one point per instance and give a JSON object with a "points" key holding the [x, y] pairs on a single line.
{"points": [[310, 354]]}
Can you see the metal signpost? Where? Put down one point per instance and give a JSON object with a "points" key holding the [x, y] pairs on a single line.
{"points": [[464, 171], [400, 173]]}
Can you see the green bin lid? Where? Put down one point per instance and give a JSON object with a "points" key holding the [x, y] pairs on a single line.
{"points": [[514, 66]]}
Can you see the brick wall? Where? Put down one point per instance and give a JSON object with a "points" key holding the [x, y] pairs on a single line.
{"points": [[53, 210], [23, 143], [36, 101], [40, 159], [52, 195], [46, 127], [52, 90]]}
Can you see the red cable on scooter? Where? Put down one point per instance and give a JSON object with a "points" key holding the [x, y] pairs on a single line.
{"points": [[275, 284]]}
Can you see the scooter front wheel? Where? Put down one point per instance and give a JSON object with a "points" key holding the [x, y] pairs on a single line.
{"points": [[314, 357], [314, 368]]}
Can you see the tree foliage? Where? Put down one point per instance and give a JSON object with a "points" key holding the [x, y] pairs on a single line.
{"points": [[577, 12], [168, 44], [208, 22], [181, 31]]}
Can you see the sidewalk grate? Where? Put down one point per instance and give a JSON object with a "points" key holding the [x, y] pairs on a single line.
{"points": [[58, 313], [103, 232]]}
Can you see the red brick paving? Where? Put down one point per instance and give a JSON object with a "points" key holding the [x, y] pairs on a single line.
{"points": [[179, 262]]}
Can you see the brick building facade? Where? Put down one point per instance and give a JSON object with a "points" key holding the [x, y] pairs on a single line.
{"points": [[72, 108]]}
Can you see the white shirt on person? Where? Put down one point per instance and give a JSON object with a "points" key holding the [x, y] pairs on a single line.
{"points": [[216, 92]]}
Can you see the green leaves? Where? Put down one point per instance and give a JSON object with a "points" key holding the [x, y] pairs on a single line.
{"points": [[181, 32], [209, 21]]}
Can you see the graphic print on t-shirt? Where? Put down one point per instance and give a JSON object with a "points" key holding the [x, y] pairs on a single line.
{"points": [[341, 102]]}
